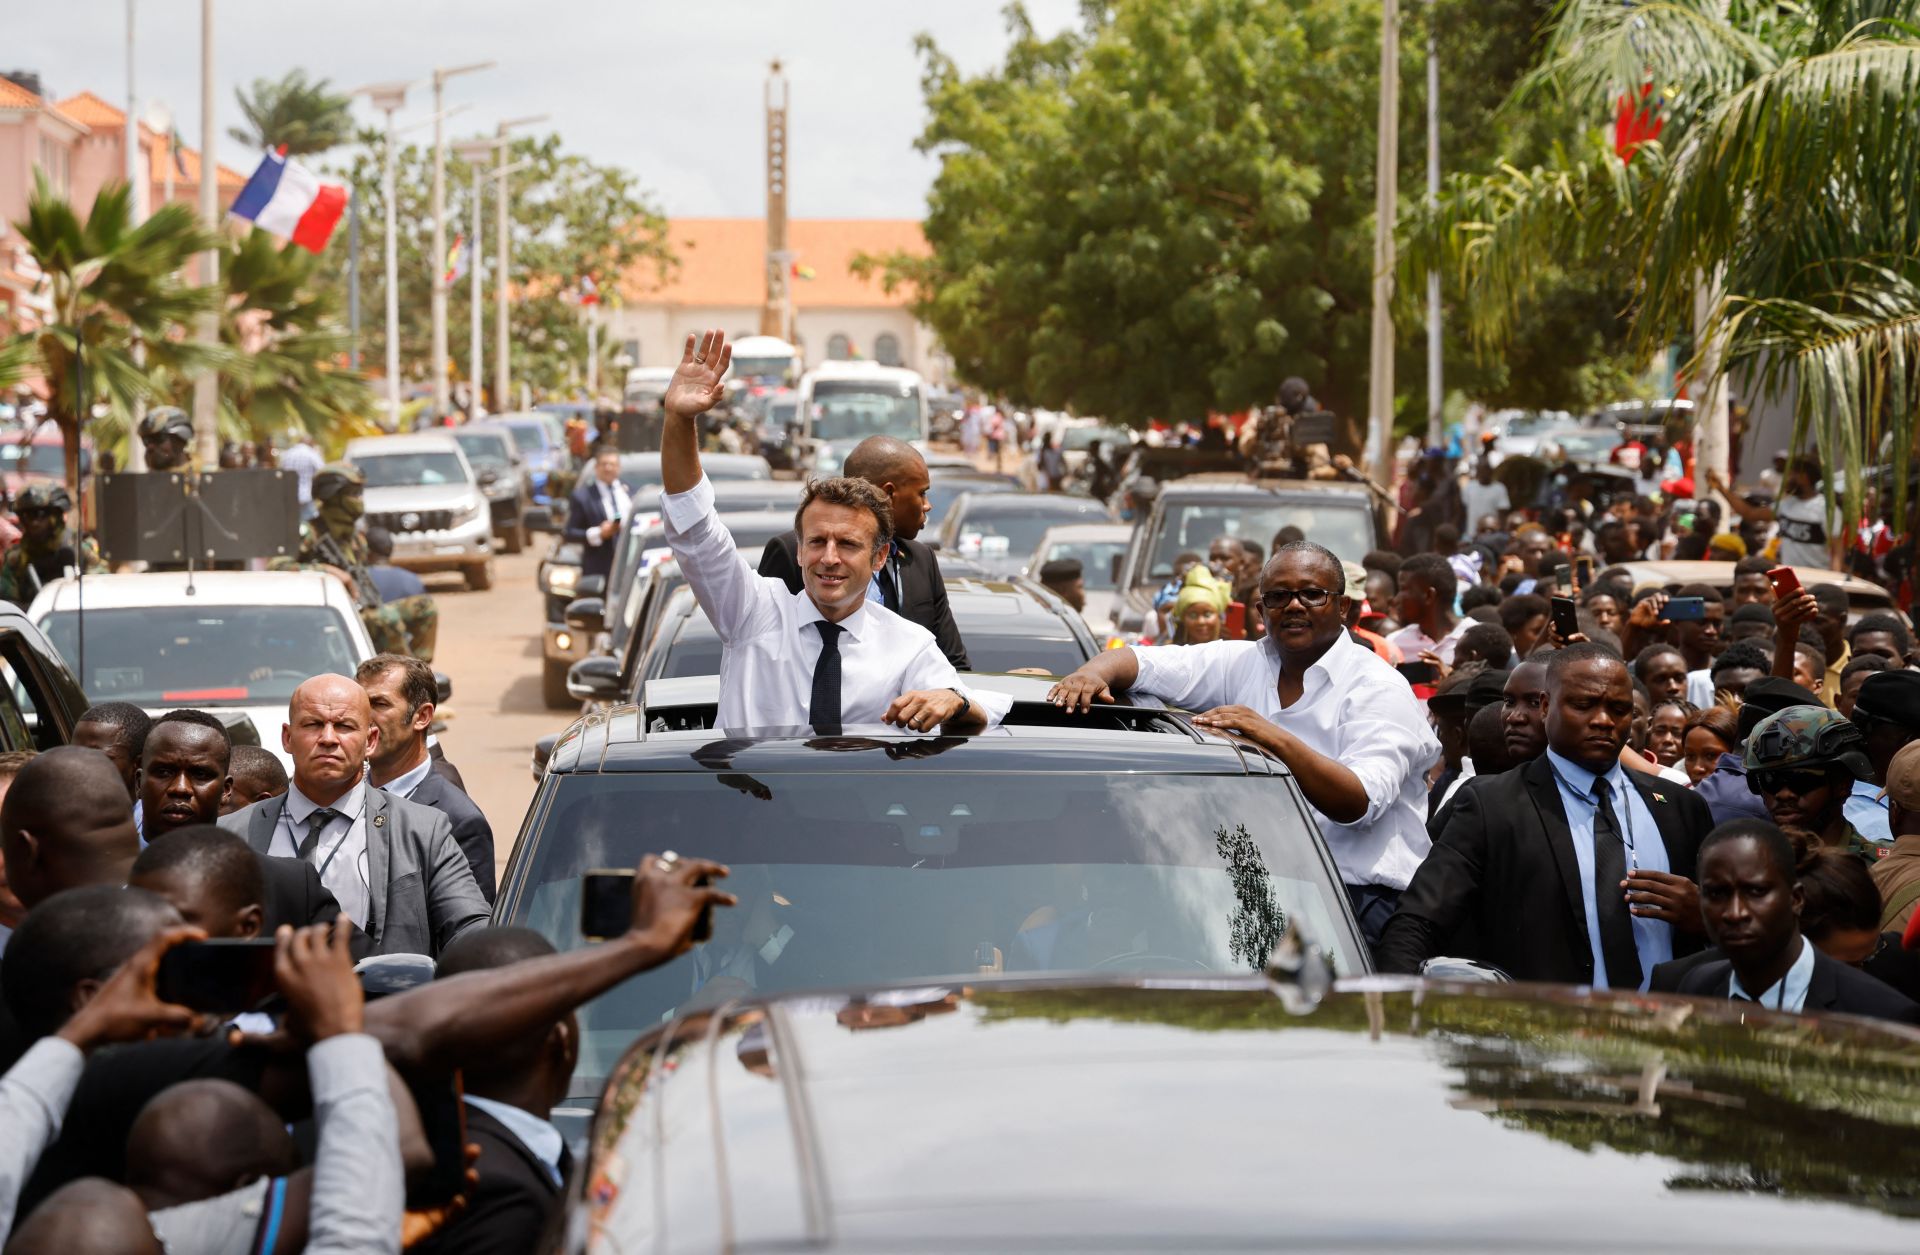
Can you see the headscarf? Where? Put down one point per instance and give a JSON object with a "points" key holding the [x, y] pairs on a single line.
{"points": [[1201, 586]]}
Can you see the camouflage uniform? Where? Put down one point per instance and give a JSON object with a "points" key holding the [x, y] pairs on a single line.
{"points": [[409, 625], [167, 434], [27, 566], [1814, 738]]}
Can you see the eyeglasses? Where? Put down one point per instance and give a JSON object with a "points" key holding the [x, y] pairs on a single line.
{"points": [[1311, 598], [1786, 780]]}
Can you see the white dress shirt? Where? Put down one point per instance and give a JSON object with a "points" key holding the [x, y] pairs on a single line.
{"points": [[33, 1102], [541, 1139], [1646, 852], [1353, 708], [406, 782], [615, 501], [341, 853], [1412, 641], [771, 645], [1789, 993]]}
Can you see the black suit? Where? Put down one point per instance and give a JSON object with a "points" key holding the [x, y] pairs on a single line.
{"points": [[508, 1209], [585, 509], [294, 894], [1505, 865], [444, 765], [471, 831], [1833, 987], [922, 593]]}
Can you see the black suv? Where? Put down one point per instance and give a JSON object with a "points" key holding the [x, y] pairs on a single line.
{"points": [[39, 700]]}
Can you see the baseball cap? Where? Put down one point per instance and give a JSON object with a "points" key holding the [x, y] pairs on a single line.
{"points": [[1356, 580], [1890, 697], [1903, 777]]}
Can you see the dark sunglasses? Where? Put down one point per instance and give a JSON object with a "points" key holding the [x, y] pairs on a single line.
{"points": [[1799, 783], [1311, 598]]}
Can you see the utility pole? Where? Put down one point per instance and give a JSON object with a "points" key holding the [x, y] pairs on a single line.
{"points": [[474, 152], [1436, 390], [353, 282], [776, 318], [503, 274], [1386, 176], [389, 98], [137, 195], [438, 269], [206, 386]]}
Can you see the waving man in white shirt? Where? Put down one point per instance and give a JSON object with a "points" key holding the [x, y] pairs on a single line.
{"points": [[824, 656]]}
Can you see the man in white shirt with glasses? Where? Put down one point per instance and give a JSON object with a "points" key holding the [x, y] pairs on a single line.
{"points": [[1345, 723]]}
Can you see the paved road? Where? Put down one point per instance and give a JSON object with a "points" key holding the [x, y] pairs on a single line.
{"points": [[490, 647]]}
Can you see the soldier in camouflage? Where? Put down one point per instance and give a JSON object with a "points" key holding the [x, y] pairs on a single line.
{"points": [[1803, 762], [408, 625], [45, 553], [167, 434]]}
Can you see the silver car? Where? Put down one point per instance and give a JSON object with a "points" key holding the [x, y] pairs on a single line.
{"points": [[422, 489]]}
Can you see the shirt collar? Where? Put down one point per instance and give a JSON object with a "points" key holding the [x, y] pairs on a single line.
{"points": [[300, 807], [1581, 780], [537, 1135], [406, 782], [1792, 988], [854, 625]]}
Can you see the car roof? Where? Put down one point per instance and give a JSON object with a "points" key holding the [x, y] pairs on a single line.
{"points": [[1057, 505], [1088, 531], [500, 431], [1227, 487], [1005, 607], [1208, 1113], [209, 588], [415, 442]]}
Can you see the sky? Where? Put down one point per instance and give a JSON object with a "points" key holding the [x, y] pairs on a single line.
{"points": [[671, 92]]}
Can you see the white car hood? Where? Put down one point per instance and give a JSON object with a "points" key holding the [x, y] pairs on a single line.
{"points": [[421, 497]]}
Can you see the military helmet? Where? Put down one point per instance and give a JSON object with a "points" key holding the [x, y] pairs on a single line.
{"points": [[43, 497], [167, 420], [339, 479], [1806, 737]]}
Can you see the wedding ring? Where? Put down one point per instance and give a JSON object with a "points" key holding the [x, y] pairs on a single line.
{"points": [[668, 859]]}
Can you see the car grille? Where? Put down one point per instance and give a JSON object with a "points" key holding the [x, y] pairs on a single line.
{"points": [[398, 521]]}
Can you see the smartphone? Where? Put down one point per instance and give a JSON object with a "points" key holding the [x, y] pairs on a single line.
{"points": [[1684, 610], [1235, 626], [223, 976], [443, 1119], [606, 906], [1419, 672], [1566, 616], [1583, 571], [1561, 575], [1785, 582]]}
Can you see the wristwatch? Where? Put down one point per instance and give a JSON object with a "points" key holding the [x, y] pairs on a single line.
{"points": [[966, 707]]}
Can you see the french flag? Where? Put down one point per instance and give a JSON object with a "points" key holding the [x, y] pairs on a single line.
{"points": [[288, 199]]}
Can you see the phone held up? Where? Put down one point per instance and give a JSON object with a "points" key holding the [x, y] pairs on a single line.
{"points": [[219, 976], [1785, 582], [1419, 672], [1684, 610], [1566, 617], [606, 905]]}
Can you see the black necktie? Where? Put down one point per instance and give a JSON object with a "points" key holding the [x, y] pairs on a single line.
{"points": [[823, 712], [890, 586], [316, 824], [1609, 900]]}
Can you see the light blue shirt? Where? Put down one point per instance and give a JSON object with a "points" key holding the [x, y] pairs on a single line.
{"points": [[1645, 852], [1866, 811], [1789, 993], [537, 1135]]}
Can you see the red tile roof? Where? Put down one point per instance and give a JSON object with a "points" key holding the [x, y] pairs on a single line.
{"points": [[722, 261], [98, 115], [14, 96]]}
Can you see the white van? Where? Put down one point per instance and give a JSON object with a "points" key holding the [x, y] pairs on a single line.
{"points": [[842, 403]]}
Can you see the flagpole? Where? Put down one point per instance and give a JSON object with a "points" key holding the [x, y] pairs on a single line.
{"points": [[353, 281], [475, 257], [206, 396], [137, 195]]}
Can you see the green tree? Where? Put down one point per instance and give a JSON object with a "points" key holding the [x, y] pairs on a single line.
{"points": [[111, 282], [1782, 192], [291, 112]]}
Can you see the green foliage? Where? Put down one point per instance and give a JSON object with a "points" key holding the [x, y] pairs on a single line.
{"points": [[303, 117], [569, 217]]}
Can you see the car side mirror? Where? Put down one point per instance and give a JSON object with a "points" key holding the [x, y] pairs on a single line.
{"points": [[489, 477], [595, 679], [591, 586], [587, 614], [442, 688]]}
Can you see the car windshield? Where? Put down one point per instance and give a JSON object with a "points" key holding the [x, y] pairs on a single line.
{"points": [[484, 448], [410, 470], [1191, 526], [852, 876], [997, 529], [1055, 655], [852, 410], [1095, 557], [528, 436], [204, 655], [1083, 438], [32, 459]]}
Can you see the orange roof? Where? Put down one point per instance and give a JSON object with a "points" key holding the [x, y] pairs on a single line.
{"points": [[98, 115], [722, 261], [14, 96], [93, 111]]}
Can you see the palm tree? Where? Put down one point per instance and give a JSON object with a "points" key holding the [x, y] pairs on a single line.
{"points": [[111, 282], [1781, 195], [294, 114], [284, 328]]}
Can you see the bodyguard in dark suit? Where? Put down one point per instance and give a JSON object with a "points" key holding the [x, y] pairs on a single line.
{"points": [[1751, 905], [1535, 859], [594, 513], [401, 693], [910, 584]]}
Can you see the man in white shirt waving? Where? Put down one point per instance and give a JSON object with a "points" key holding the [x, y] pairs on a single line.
{"points": [[824, 656], [1345, 723]]}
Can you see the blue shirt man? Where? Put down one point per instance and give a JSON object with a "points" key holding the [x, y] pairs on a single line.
{"points": [[1645, 852]]}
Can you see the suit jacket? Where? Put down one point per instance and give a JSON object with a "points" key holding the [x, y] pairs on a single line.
{"points": [[1505, 864], [444, 765], [584, 510], [471, 831], [295, 894], [509, 1207], [923, 593], [1834, 987], [421, 892]]}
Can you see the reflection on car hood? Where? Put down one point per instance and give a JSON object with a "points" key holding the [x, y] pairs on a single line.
{"points": [[1396, 1114], [420, 497]]}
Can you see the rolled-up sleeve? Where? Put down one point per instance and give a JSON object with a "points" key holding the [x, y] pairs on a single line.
{"points": [[1192, 677], [734, 596], [33, 1101], [931, 670], [358, 1193], [1385, 740]]}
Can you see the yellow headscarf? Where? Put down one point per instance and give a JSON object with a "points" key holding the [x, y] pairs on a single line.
{"points": [[1201, 586]]}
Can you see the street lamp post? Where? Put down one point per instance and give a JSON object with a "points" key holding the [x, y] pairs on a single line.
{"points": [[1436, 391], [1379, 448], [503, 273], [439, 303], [206, 396], [389, 98], [474, 152]]}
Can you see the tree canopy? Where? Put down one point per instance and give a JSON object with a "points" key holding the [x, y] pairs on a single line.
{"points": [[293, 113]]}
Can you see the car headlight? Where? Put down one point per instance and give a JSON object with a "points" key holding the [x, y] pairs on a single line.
{"points": [[466, 514], [561, 579]]}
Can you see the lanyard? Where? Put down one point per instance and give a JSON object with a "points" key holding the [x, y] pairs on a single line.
{"points": [[1624, 811], [293, 834]]}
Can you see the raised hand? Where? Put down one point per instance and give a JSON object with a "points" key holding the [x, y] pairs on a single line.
{"points": [[669, 896], [314, 970], [696, 386], [128, 1008]]}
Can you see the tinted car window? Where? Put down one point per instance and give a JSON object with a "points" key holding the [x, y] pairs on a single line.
{"points": [[1057, 656], [215, 656], [408, 470], [852, 876], [1096, 559], [1192, 526]]}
